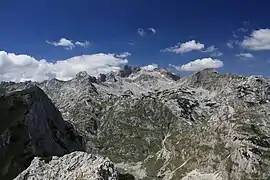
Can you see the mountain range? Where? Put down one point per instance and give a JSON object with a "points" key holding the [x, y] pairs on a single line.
{"points": [[137, 123]]}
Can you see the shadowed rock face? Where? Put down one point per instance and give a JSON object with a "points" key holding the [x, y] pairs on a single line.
{"points": [[128, 70], [30, 125]]}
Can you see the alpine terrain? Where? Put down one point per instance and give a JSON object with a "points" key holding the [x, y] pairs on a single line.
{"points": [[137, 123]]}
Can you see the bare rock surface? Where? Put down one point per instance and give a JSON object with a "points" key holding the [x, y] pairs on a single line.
{"points": [[73, 166]]}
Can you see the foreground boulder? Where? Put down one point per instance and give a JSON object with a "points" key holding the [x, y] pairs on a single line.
{"points": [[30, 125], [76, 165]]}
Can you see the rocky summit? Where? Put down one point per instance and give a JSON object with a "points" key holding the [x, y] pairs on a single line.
{"points": [[151, 124]]}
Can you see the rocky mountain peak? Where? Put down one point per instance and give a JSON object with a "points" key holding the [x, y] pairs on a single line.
{"points": [[102, 77], [205, 73], [82, 74], [133, 70], [128, 70], [168, 74], [212, 80], [84, 77]]}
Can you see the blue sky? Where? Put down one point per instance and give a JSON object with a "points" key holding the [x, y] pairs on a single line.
{"points": [[109, 26]]}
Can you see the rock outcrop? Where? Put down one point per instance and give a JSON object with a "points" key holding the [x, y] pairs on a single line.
{"points": [[73, 166], [30, 125]]}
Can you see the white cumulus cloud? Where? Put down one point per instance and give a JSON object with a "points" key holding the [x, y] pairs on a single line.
{"points": [[63, 42], [243, 29], [258, 40], [141, 32], [185, 47], [245, 55], [200, 64], [150, 67], [82, 44], [235, 36], [214, 51], [123, 55], [68, 44], [154, 31], [131, 43], [210, 49], [216, 54], [20, 68], [230, 44]]}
